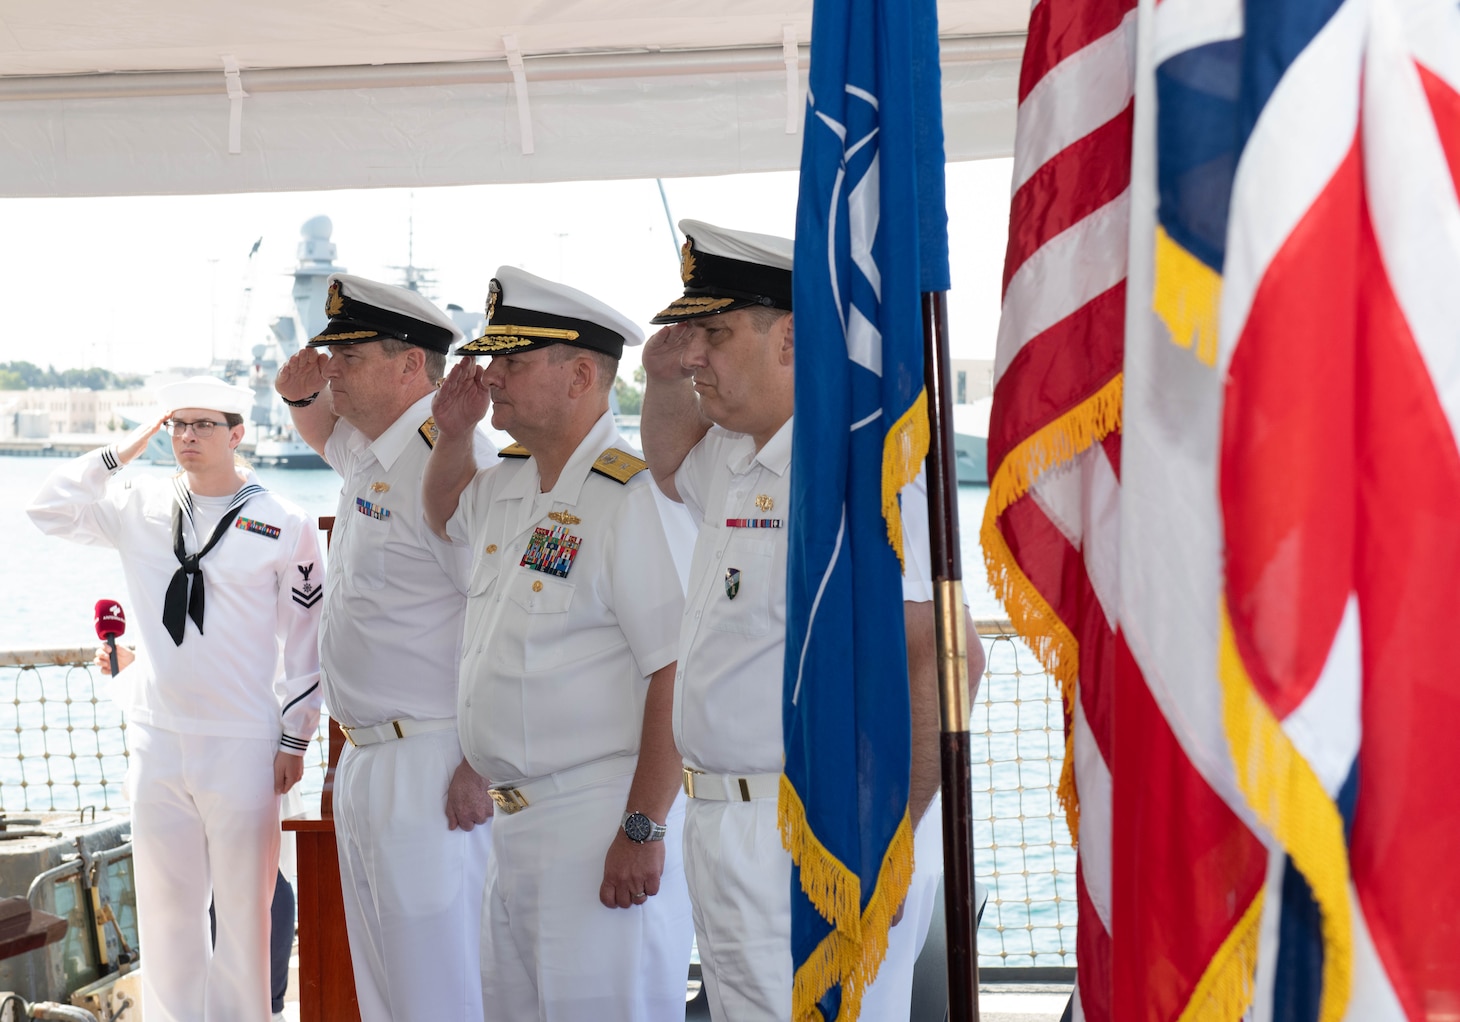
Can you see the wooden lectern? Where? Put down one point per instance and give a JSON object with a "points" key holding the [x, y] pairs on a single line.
{"points": [[326, 977]]}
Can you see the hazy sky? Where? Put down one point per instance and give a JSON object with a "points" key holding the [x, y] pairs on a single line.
{"points": [[144, 283]]}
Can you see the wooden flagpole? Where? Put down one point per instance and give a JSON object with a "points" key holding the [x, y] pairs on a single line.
{"points": [[953, 698]]}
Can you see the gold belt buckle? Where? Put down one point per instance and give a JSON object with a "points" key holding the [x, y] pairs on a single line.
{"points": [[346, 732], [509, 800], [689, 780]]}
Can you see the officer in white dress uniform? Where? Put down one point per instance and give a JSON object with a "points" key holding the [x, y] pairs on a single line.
{"points": [[568, 668], [224, 578], [409, 811], [716, 427]]}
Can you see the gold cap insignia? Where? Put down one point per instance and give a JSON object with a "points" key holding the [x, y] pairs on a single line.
{"points": [[764, 502], [563, 518], [686, 260], [379, 487], [334, 303]]}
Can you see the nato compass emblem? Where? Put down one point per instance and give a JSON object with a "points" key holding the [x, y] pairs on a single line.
{"points": [[307, 593], [732, 582]]}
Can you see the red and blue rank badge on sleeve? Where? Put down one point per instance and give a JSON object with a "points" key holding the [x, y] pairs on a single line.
{"points": [[552, 550]]}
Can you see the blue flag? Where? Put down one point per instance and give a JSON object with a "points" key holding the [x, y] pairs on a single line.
{"points": [[871, 234]]}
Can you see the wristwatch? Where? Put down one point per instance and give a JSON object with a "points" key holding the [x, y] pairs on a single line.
{"points": [[638, 828]]}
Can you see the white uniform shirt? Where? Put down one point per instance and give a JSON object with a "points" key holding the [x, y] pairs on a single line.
{"points": [[554, 671], [727, 689], [396, 592], [254, 670]]}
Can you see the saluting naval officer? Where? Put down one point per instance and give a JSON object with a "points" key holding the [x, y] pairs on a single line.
{"points": [[716, 426], [568, 668], [409, 811], [224, 579]]}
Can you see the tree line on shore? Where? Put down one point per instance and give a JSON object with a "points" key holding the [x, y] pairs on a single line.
{"points": [[28, 376]]}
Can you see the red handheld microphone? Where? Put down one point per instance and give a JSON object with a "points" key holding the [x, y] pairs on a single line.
{"points": [[110, 623]]}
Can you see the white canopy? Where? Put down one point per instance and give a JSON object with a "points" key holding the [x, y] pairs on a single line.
{"points": [[100, 97]]}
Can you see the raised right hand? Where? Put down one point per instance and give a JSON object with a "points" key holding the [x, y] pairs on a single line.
{"points": [[663, 352], [138, 439], [462, 399], [302, 375]]}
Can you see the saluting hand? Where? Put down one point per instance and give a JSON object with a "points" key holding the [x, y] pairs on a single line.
{"points": [[138, 439], [302, 375], [462, 399], [663, 353]]}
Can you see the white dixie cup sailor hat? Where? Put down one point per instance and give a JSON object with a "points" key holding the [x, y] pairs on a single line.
{"points": [[205, 392]]}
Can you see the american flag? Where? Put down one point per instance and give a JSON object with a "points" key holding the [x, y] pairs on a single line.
{"points": [[1050, 532]]}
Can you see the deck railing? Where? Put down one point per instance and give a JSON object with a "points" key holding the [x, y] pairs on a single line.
{"points": [[63, 745]]}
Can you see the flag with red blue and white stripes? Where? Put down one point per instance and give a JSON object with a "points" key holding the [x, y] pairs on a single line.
{"points": [[1269, 809]]}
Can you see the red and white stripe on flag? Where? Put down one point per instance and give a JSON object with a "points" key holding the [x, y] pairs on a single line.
{"points": [[1052, 520]]}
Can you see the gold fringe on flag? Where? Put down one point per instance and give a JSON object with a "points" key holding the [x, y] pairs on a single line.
{"points": [[1187, 295], [852, 953], [903, 452], [1050, 639], [1055, 443], [1226, 989], [1288, 798]]}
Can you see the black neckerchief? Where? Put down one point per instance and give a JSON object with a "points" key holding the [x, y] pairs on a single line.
{"points": [[183, 601]]}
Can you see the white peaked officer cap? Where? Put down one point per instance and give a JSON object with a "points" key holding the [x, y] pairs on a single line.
{"points": [[363, 310], [725, 270], [525, 311], [205, 392]]}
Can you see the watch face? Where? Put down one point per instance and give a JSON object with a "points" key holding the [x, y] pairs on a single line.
{"points": [[638, 827]]}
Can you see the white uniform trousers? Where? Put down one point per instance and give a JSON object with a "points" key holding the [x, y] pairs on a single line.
{"points": [[550, 950], [205, 822], [740, 883], [412, 888]]}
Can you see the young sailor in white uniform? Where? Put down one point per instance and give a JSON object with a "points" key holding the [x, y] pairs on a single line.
{"points": [[408, 810], [225, 579], [716, 426], [567, 673]]}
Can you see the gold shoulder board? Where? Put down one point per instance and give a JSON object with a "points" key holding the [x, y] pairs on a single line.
{"points": [[619, 465], [429, 432], [515, 451]]}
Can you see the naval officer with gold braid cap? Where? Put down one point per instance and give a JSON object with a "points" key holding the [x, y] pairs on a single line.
{"points": [[568, 667], [408, 809], [717, 428]]}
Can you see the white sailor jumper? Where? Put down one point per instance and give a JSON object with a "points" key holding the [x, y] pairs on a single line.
{"points": [[205, 720]]}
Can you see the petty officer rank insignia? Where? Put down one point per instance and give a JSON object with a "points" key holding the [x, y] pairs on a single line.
{"points": [[429, 432], [620, 466], [370, 510], [257, 528], [552, 550], [307, 593]]}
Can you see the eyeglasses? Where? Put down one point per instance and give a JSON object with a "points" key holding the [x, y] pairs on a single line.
{"points": [[202, 428]]}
